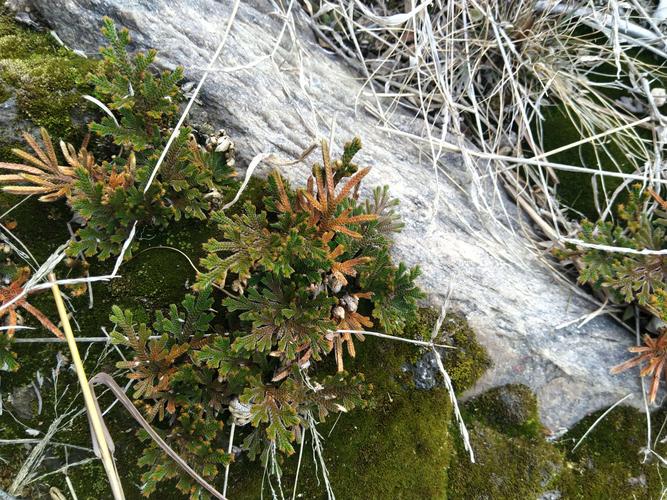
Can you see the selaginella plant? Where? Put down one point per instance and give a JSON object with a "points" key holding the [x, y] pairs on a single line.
{"points": [[628, 278], [307, 261], [635, 278], [305, 272], [108, 195]]}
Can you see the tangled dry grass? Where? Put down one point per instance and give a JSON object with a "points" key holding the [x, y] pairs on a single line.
{"points": [[483, 74]]}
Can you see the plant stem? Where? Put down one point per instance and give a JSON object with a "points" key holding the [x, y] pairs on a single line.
{"points": [[93, 411]]}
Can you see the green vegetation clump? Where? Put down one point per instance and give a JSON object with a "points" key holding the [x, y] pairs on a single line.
{"points": [[509, 409], [111, 196], [610, 463], [512, 458], [45, 78], [400, 447], [620, 260], [635, 278], [304, 274], [628, 278]]}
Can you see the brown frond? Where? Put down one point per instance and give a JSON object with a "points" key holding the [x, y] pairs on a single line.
{"points": [[81, 158], [42, 174], [283, 204], [654, 353], [658, 198], [321, 202], [41, 317], [345, 268], [354, 181], [10, 293]]}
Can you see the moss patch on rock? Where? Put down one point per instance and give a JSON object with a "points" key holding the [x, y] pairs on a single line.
{"points": [[469, 360], [45, 77], [512, 459], [510, 409], [609, 463], [505, 467], [465, 364]]}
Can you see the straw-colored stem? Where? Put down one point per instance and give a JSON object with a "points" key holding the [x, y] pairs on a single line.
{"points": [[91, 407], [229, 451]]}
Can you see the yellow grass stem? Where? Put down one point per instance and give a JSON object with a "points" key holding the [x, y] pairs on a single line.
{"points": [[93, 411]]}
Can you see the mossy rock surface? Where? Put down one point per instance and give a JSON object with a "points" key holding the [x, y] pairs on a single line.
{"points": [[512, 459], [46, 79], [610, 463], [465, 363], [510, 409]]}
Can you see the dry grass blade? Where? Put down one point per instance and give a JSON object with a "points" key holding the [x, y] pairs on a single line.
{"points": [[488, 72], [37, 454], [101, 438], [108, 381]]}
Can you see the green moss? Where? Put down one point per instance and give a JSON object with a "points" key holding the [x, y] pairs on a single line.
{"points": [[513, 460], [608, 463], [510, 409], [398, 448], [575, 189], [41, 226], [505, 467], [468, 361], [45, 77]]}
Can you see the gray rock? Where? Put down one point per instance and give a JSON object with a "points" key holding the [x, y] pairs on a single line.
{"points": [[509, 296], [11, 124], [425, 372], [22, 401]]}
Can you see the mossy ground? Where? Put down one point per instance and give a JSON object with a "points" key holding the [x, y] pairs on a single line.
{"points": [[399, 447], [610, 462], [152, 279], [514, 460], [404, 445]]}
